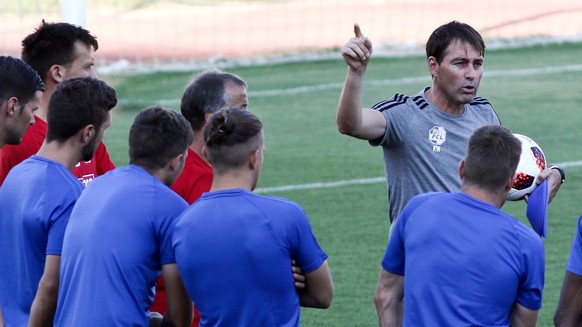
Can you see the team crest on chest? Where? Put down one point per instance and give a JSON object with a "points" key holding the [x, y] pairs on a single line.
{"points": [[437, 136]]}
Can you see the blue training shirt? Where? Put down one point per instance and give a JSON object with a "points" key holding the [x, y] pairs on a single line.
{"points": [[36, 200], [118, 238], [234, 251], [464, 261]]}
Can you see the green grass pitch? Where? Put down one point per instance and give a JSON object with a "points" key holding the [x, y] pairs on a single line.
{"points": [[536, 91]]}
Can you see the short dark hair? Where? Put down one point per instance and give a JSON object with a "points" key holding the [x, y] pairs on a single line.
{"points": [[230, 136], [206, 93], [54, 44], [445, 34], [76, 103], [492, 157], [156, 136], [18, 79]]}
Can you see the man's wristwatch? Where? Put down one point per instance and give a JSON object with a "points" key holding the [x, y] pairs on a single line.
{"points": [[562, 174]]}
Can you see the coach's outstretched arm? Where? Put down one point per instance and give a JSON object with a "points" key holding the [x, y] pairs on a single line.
{"points": [[351, 118], [318, 290]]}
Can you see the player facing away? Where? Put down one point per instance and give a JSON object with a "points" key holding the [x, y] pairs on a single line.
{"points": [[38, 196], [20, 92], [456, 259], [57, 51], [207, 93], [423, 136], [119, 236], [244, 242]]}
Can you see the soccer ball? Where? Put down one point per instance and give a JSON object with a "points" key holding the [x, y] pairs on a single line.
{"points": [[531, 164]]}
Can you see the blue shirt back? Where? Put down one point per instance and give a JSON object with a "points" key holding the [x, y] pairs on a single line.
{"points": [[234, 251], [36, 200], [464, 261], [119, 236]]}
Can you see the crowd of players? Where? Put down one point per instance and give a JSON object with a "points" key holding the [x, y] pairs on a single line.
{"points": [[178, 238]]}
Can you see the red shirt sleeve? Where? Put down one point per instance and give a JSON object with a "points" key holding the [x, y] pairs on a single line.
{"points": [[104, 162]]}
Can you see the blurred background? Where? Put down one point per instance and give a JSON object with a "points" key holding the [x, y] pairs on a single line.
{"points": [[173, 34]]}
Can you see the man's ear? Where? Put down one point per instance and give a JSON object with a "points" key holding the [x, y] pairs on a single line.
{"points": [[509, 184], [175, 161], [253, 158], [462, 169], [10, 106], [432, 65], [87, 134], [56, 73]]}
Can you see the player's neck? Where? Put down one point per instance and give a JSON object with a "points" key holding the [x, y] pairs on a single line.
{"points": [[67, 153], [232, 179], [198, 144], [442, 103], [496, 199], [42, 111]]}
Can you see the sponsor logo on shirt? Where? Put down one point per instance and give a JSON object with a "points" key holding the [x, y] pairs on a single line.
{"points": [[86, 179], [437, 136]]}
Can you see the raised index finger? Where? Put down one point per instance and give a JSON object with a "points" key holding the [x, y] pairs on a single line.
{"points": [[357, 30]]}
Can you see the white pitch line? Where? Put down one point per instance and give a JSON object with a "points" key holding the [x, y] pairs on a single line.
{"points": [[359, 181], [418, 79], [398, 81], [312, 186]]}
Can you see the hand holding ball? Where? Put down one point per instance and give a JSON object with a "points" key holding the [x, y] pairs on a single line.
{"points": [[531, 163]]}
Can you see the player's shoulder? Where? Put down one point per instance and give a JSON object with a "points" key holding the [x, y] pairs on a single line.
{"points": [[277, 203], [52, 176], [421, 200], [167, 196], [399, 100], [528, 239], [482, 103]]}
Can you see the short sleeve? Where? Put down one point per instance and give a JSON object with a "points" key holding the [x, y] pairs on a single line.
{"points": [[305, 249], [394, 257], [168, 219], [57, 224]]}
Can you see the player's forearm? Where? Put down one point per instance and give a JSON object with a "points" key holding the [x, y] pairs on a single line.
{"points": [[319, 289], [566, 319], [349, 115], [389, 299], [44, 306], [521, 316], [311, 300], [390, 310], [569, 311]]}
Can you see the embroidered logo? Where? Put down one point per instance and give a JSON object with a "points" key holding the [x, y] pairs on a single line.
{"points": [[437, 136], [86, 179]]}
